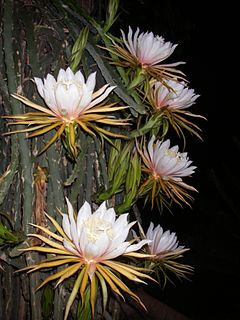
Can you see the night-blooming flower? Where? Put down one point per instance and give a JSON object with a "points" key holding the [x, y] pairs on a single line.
{"points": [[172, 101], [72, 103], [147, 48], [165, 250], [145, 52], [162, 243], [176, 95], [165, 168], [89, 243]]}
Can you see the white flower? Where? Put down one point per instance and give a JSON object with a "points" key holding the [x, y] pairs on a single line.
{"points": [[165, 251], [97, 236], [165, 168], [166, 162], [162, 242], [147, 48], [72, 105], [87, 244], [178, 97], [70, 95]]}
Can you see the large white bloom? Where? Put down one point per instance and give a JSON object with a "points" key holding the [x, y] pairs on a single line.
{"points": [[70, 95], [166, 162], [162, 242], [72, 105], [147, 48], [87, 244], [178, 97], [97, 236]]}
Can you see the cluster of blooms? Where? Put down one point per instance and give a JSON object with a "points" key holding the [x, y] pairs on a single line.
{"points": [[167, 97], [90, 243]]}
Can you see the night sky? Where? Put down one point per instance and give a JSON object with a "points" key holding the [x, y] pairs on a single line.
{"points": [[211, 227]]}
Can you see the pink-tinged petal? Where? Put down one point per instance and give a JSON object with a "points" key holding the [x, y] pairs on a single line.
{"points": [[163, 242], [129, 43], [150, 147], [165, 161], [91, 270], [180, 97], [166, 242], [149, 234], [67, 245], [147, 48], [158, 232]]}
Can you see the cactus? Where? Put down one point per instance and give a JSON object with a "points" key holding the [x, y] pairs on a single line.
{"points": [[82, 150], [35, 40]]}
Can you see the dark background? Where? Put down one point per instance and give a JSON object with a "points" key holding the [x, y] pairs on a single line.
{"points": [[211, 227]]}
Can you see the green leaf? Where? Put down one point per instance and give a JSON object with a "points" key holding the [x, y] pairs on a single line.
{"points": [[84, 307], [10, 237], [78, 48]]}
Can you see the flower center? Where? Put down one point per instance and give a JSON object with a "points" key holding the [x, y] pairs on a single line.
{"points": [[95, 227], [66, 84], [69, 94], [174, 154]]}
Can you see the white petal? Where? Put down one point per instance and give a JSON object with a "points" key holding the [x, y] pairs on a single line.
{"points": [[83, 214], [137, 246], [73, 226], [69, 74], [91, 82], [61, 75], [49, 97], [69, 247], [39, 84], [101, 211], [116, 252], [86, 98], [101, 98], [67, 98], [110, 215], [79, 77], [91, 251], [66, 226]]}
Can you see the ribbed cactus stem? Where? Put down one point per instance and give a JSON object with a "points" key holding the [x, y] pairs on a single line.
{"points": [[25, 156]]}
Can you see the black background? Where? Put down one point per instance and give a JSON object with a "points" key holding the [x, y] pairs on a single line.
{"points": [[205, 36]]}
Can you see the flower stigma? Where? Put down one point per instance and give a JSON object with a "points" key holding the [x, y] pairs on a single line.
{"points": [[95, 227]]}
